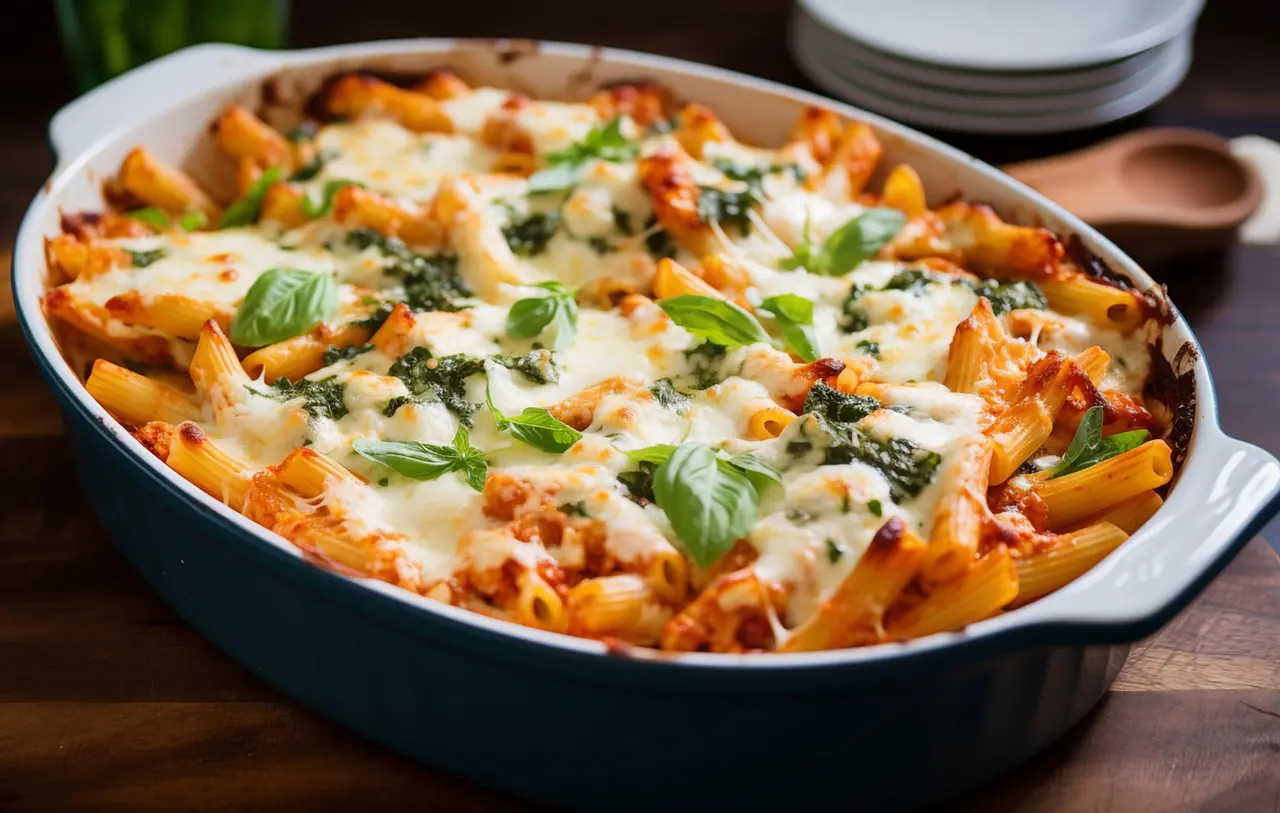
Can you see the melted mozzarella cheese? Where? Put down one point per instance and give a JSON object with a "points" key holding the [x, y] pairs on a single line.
{"points": [[811, 531]]}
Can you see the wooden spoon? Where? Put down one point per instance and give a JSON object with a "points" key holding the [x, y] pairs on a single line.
{"points": [[1158, 193]]}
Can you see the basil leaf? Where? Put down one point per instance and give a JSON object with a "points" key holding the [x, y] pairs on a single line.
{"points": [[1088, 433], [193, 221], [423, 461], [860, 239], [846, 247], [714, 320], [710, 506], [152, 216], [313, 210], [281, 304], [794, 316], [1088, 447], [555, 178], [564, 167], [558, 308], [659, 453], [417, 461], [536, 427], [761, 474], [248, 208]]}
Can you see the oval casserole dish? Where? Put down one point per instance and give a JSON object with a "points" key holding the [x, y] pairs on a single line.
{"points": [[559, 720]]}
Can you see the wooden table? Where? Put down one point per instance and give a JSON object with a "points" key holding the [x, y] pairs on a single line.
{"points": [[108, 701]]}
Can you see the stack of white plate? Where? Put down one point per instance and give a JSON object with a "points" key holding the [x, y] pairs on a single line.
{"points": [[997, 66]]}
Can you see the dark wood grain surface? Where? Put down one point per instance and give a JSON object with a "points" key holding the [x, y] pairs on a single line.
{"points": [[109, 702]]}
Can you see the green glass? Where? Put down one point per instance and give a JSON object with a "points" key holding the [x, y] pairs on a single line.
{"points": [[105, 38]]}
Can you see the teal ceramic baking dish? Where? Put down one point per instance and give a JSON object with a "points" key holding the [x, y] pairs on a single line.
{"points": [[561, 720]]}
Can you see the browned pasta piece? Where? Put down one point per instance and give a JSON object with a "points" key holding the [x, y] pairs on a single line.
{"points": [[979, 593], [855, 611], [1069, 558], [646, 103], [73, 258], [150, 180], [171, 314], [247, 137], [579, 410], [819, 130], [961, 514], [443, 85], [699, 126], [198, 459], [357, 95], [301, 355], [1073, 497], [359, 207], [136, 399]]}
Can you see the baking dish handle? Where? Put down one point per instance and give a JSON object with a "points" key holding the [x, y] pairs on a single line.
{"points": [[1226, 493], [149, 89]]}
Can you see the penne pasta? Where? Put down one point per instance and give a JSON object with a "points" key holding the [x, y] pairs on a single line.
{"points": [[136, 399], [456, 291], [1073, 497], [1070, 557]]}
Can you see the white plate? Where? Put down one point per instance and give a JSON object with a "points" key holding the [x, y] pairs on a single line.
{"points": [[1018, 35], [1096, 76], [969, 121], [967, 101]]}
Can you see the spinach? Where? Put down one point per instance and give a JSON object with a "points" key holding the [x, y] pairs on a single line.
{"points": [[914, 281], [1006, 296], [668, 397], [375, 319], [303, 131], [600, 245], [321, 399], [436, 380], [907, 467], [753, 176], [312, 168], [834, 551], [529, 235], [141, 259], [838, 407], [539, 366], [639, 483], [869, 347], [660, 243], [336, 353], [723, 206], [706, 362], [622, 221], [1089, 447], [431, 282]]}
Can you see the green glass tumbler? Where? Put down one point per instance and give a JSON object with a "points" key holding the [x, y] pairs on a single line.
{"points": [[105, 38]]}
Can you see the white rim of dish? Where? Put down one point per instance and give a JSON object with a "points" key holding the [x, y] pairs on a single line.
{"points": [[1004, 124], [994, 104], [1012, 84], [1107, 51]]}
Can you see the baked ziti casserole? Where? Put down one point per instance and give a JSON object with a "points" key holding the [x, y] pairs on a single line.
{"points": [[601, 369]]}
